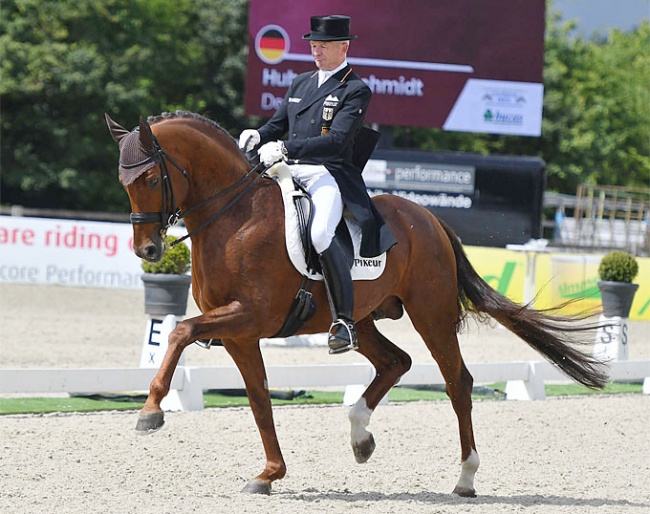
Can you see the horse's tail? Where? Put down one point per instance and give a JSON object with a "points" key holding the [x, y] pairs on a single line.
{"points": [[557, 338]]}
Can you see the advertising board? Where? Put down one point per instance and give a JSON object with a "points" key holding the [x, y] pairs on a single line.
{"points": [[489, 200], [69, 253], [456, 64]]}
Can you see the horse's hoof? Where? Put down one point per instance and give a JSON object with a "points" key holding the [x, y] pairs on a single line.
{"points": [[150, 423], [257, 486], [363, 450], [465, 492]]}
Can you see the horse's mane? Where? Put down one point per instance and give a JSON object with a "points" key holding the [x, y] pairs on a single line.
{"points": [[190, 115]]}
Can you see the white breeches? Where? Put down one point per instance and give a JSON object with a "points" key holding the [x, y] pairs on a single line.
{"points": [[328, 205]]}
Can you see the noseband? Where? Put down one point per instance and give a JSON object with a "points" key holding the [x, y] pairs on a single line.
{"points": [[171, 213]]}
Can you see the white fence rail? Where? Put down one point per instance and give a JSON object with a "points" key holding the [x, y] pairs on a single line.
{"points": [[525, 380]]}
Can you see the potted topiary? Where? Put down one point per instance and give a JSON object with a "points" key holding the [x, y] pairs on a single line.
{"points": [[617, 269], [166, 282]]}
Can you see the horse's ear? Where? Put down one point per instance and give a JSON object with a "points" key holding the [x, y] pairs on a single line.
{"points": [[146, 136], [117, 131]]}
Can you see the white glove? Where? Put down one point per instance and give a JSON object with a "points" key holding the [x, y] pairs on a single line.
{"points": [[272, 152], [249, 134]]}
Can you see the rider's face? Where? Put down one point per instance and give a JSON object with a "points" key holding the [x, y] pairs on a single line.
{"points": [[328, 54]]}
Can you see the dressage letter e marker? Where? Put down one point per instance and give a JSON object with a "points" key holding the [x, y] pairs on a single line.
{"points": [[154, 347], [155, 340]]}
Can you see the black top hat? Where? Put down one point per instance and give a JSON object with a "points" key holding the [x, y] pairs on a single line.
{"points": [[330, 28]]}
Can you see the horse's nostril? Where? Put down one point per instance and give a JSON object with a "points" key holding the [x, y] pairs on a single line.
{"points": [[150, 252]]}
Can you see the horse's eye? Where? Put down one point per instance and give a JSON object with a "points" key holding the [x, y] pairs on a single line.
{"points": [[153, 182]]}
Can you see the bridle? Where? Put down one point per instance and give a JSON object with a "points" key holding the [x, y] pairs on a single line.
{"points": [[170, 213], [167, 215]]}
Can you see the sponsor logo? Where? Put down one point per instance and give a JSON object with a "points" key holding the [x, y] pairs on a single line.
{"points": [[368, 263], [419, 173], [504, 98], [331, 101], [584, 289], [441, 200], [502, 118], [501, 104]]}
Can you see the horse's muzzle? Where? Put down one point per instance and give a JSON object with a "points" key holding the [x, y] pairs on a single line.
{"points": [[152, 251]]}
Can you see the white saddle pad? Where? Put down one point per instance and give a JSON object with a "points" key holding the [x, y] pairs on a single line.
{"points": [[363, 268]]}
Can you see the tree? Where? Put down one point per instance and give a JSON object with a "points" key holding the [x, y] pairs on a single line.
{"points": [[596, 108], [65, 63]]}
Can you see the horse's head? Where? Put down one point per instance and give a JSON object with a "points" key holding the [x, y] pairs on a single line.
{"points": [[146, 173]]}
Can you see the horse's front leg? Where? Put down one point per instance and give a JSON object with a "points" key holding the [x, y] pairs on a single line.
{"points": [[152, 417], [248, 358], [223, 322]]}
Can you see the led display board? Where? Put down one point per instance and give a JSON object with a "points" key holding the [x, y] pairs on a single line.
{"points": [[461, 65]]}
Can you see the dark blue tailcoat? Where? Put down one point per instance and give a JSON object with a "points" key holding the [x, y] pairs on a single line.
{"points": [[321, 124]]}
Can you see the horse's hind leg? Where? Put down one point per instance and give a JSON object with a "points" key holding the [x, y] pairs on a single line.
{"points": [[391, 363], [438, 329]]}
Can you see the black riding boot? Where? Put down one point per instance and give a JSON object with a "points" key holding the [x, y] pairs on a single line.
{"points": [[338, 282]]}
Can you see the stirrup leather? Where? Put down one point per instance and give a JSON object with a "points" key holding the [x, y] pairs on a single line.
{"points": [[340, 343]]}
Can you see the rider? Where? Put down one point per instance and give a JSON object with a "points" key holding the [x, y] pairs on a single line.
{"points": [[322, 113]]}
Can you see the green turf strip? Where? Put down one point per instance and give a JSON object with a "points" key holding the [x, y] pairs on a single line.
{"points": [[212, 400]]}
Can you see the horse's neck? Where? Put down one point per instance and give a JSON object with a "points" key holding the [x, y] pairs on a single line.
{"points": [[215, 173], [221, 190]]}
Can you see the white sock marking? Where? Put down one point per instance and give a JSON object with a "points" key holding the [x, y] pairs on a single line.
{"points": [[359, 417], [468, 469]]}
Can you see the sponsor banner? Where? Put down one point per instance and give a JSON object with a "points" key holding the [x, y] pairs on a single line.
{"points": [[431, 185], [418, 57], [498, 107], [559, 278], [69, 253]]}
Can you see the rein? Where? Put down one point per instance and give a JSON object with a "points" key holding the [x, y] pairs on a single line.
{"points": [[170, 216], [225, 208]]}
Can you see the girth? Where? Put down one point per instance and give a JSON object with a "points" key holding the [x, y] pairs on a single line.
{"points": [[302, 310]]}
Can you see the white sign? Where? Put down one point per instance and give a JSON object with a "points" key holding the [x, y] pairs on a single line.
{"points": [[69, 253], [156, 337], [498, 107], [611, 339]]}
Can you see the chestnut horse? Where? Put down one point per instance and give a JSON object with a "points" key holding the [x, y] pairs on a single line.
{"points": [[244, 283]]}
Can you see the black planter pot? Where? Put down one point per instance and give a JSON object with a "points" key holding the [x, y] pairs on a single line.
{"points": [[617, 297], [165, 294]]}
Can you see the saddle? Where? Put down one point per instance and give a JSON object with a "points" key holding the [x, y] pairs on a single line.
{"points": [[298, 211], [298, 214]]}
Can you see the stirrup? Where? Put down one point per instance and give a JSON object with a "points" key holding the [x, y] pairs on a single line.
{"points": [[208, 343], [342, 337]]}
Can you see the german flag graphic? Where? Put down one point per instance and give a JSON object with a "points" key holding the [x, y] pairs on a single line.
{"points": [[271, 44]]}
